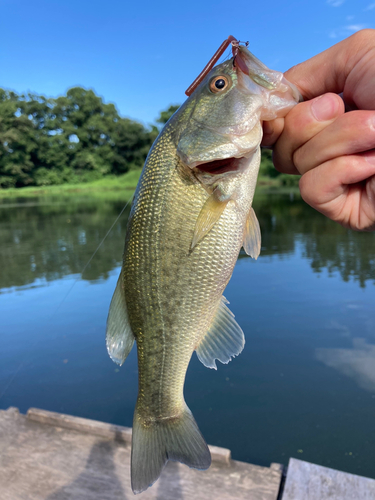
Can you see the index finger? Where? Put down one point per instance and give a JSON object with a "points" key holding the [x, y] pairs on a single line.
{"points": [[329, 71]]}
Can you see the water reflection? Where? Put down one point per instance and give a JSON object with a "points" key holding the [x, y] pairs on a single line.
{"points": [[51, 238], [49, 241], [325, 244], [357, 363]]}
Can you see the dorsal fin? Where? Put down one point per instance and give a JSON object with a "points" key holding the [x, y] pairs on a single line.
{"points": [[224, 339]]}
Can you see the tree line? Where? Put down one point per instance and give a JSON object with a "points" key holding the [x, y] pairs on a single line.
{"points": [[75, 138]]}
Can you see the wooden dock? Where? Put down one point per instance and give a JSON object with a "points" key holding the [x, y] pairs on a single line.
{"points": [[50, 456]]}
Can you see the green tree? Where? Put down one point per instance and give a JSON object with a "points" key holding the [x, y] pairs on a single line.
{"points": [[267, 169], [166, 114], [16, 142], [76, 137], [132, 144]]}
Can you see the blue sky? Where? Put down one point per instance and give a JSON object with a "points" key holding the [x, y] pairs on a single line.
{"points": [[142, 55]]}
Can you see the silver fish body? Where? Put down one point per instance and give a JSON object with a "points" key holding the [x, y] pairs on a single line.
{"points": [[190, 216]]}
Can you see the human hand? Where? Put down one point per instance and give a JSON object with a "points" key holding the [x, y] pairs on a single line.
{"points": [[333, 150]]}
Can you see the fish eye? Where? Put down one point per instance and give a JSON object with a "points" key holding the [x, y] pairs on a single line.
{"points": [[219, 83]]}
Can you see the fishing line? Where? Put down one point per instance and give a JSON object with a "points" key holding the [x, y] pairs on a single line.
{"points": [[63, 300], [226, 56], [90, 259]]}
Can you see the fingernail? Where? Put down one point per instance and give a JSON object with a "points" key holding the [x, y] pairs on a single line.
{"points": [[324, 107]]}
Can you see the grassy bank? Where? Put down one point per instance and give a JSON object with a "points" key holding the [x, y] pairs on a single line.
{"points": [[122, 187], [127, 181]]}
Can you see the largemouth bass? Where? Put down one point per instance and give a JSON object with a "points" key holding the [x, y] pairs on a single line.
{"points": [[190, 216]]}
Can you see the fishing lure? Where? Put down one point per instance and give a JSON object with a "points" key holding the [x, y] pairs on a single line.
{"points": [[211, 63]]}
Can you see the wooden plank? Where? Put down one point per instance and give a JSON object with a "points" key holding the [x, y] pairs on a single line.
{"points": [[110, 431], [48, 456], [305, 481]]}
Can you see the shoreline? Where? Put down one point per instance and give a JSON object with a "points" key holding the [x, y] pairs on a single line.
{"points": [[125, 182]]}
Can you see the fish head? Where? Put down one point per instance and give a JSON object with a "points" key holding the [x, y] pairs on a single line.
{"points": [[223, 116]]}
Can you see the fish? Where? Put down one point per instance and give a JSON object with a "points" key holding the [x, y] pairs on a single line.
{"points": [[191, 214]]}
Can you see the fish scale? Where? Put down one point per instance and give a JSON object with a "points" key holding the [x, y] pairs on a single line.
{"points": [[200, 281]]}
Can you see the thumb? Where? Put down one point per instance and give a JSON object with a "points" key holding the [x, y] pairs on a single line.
{"points": [[304, 121]]}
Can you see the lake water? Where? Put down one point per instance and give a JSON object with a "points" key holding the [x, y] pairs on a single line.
{"points": [[304, 385]]}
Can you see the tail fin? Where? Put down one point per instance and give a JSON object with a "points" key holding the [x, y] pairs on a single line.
{"points": [[156, 442]]}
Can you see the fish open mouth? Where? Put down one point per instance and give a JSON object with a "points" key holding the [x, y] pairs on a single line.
{"points": [[221, 166]]}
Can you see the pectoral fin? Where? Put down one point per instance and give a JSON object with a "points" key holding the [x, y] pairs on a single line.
{"points": [[208, 216], [252, 237], [224, 339], [119, 336]]}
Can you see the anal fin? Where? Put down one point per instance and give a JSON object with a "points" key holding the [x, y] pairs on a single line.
{"points": [[224, 339], [252, 236], [119, 335]]}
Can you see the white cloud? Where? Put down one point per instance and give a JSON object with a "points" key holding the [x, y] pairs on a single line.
{"points": [[349, 18], [357, 363], [341, 328], [345, 31], [370, 6], [335, 3], [354, 27]]}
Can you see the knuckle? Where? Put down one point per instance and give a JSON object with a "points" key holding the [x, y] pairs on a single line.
{"points": [[363, 36], [277, 163], [298, 158], [359, 129], [282, 163], [304, 187]]}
